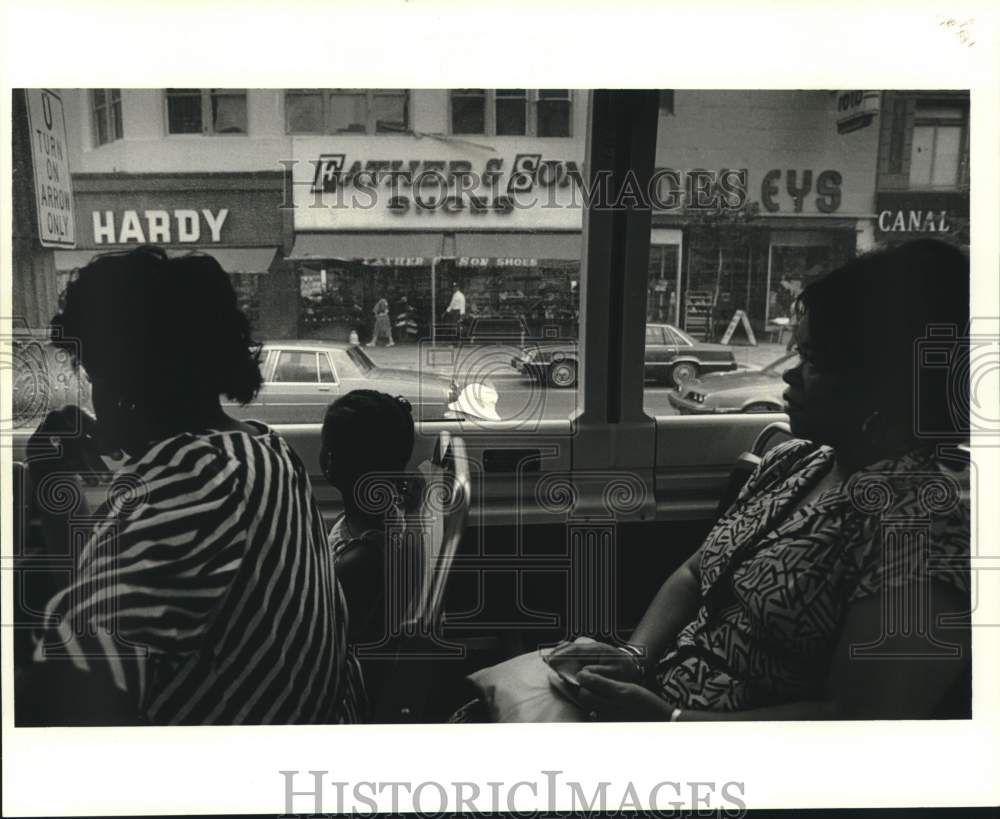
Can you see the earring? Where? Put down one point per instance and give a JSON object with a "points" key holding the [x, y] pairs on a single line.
{"points": [[868, 425]]}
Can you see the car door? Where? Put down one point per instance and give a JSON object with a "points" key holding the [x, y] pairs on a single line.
{"points": [[660, 352], [301, 384]]}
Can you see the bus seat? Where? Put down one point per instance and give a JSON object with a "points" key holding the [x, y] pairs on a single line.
{"points": [[403, 671], [442, 517], [747, 462]]}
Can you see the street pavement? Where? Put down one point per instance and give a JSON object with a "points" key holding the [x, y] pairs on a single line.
{"points": [[54, 384], [494, 359], [518, 397]]}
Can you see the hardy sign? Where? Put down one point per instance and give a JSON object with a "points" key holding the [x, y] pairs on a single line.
{"points": [[53, 186]]}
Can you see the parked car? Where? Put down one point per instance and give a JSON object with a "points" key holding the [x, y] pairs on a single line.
{"points": [[511, 330], [301, 378], [741, 391], [672, 357]]}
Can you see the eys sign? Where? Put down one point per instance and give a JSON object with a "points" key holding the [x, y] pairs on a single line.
{"points": [[53, 186]]}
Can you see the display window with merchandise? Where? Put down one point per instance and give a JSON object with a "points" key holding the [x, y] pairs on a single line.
{"points": [[537, 301], [337, 298]]}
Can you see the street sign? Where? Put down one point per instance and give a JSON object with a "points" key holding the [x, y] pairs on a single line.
{"points": [[739, 316], [50, 157], [856, 109]]}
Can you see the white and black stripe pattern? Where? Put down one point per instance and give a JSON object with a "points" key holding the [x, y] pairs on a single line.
{"points": [[219, 591]]}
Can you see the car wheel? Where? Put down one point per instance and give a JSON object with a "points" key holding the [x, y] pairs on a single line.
{"points": [[683, 372], [562, 374], [760, 406]]}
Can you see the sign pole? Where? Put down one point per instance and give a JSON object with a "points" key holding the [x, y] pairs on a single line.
{"points": [[677, 293], [767, 290], [434, 262]]}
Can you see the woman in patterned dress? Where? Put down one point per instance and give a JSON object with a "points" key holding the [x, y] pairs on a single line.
{"points": [[837, 585], [204, 592]]}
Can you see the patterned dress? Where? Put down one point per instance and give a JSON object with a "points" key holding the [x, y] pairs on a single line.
{"points": [[206, 592], [776, 581]]}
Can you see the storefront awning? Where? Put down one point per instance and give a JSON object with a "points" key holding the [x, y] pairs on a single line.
{"points": [[240, 259], [373, 248], [72, 259], [232, 259], [539, 246]]}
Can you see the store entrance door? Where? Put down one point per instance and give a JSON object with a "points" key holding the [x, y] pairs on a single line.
{"points": [[664, 282]]}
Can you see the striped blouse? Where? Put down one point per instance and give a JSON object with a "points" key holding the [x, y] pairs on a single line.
{"points": [[206, 590]]}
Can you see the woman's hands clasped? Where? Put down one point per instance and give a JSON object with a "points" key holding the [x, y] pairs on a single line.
{"points": [[611, 700], [610, 682], [570, 658]]}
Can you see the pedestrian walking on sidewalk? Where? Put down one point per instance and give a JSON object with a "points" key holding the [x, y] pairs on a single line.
{"points": [[406, 321], [455, 314], [382, 325]]}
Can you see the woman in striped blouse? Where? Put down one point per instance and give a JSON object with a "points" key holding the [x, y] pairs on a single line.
{"points": [[205, 592]]}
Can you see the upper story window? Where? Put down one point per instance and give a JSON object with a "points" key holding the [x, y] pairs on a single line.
{"points": [[939, 145], [347, 111], [511, 112], [106, 114], [209, 111]]}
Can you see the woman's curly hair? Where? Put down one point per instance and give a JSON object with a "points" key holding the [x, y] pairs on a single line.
{"points": [[160, 330]]}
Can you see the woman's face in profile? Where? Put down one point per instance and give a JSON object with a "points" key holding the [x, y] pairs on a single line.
{"points": [[823, 405], [112, 425]]}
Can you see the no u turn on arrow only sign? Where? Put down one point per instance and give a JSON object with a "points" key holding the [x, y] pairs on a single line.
{"points": [[53, 186]]}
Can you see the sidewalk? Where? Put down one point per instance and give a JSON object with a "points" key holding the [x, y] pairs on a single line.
{"points": [[494, 359]]}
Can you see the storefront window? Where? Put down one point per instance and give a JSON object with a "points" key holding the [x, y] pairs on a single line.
{"points": [[339, 299], [554, 113], [726, 272], [468, 111], [661, 299], [346, 111], [935, 157], [206, 111], [247, 287], [106, 113], [390, 111], [304, 112], [512, 111], [508, 303], [229, 112], [183, 111], [796, 265]]}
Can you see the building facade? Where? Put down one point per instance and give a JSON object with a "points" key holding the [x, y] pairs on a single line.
{"points": [[762, 192], [323, 202], [923, 167]]}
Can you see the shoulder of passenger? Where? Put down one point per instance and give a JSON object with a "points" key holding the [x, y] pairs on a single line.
{"points": [[184, 458], [787, 452]]}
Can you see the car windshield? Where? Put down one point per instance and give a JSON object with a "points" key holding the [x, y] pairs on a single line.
{"points": [[781, 364], [360, 359], [684, 336]]}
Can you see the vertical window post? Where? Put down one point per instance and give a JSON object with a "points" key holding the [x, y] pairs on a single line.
{"points": [[612, 428]]}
